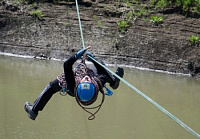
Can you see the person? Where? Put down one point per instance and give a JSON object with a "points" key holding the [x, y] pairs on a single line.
{"points": [[81, 82]]}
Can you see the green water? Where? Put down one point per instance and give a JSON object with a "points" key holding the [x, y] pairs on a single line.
{"points": [[125, 115]]}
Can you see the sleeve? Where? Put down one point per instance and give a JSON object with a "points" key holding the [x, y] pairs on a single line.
{"points": [[69, 74]]}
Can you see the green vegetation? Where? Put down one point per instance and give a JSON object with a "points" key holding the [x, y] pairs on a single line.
{"points": [[161, 3], [122, 26], [95, 17], [188, 7], [134, 10], [196, 8], [99, 24], [156, 20], [129, 16], [194, 40], [142, 11], [128, 3], [131, 10], [37, 14]]}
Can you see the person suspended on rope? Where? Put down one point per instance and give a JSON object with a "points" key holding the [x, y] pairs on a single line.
{"points": [[82, 82]]}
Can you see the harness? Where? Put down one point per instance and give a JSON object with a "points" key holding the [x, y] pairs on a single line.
{"points": [[79, 73]]}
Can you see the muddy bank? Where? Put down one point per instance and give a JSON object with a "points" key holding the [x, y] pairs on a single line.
{"points": [[57, 35]]}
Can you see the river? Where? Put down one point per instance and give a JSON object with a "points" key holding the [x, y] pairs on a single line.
{"points": [[124, 115]]}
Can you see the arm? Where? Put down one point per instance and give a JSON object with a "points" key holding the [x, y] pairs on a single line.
{"points": [[69, 75]]}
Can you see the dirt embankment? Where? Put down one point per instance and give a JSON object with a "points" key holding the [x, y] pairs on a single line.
{"points": [[57, 35]]}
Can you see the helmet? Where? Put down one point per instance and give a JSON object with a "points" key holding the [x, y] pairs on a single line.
{"points": [[86, 91]]}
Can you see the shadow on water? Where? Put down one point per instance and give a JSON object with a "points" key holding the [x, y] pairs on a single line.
{"points": [[123, 115]]}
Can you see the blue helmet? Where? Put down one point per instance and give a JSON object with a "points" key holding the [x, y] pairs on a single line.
{"points": [[86, 91]]}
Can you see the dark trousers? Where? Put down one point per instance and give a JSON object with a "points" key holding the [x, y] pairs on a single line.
{"points": [[46, 95]]}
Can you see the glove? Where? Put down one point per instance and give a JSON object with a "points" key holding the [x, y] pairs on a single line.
{"points": [[89, 54], [80, 53]]}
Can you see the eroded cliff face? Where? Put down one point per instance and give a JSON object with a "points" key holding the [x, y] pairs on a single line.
{"points": [[57, 35]]}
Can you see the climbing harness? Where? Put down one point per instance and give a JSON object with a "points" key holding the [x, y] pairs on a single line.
{"points": [[138, 91], [62, 83]]}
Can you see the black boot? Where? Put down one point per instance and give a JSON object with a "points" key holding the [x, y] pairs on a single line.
{"points": [[28, 108], [119, 72]]}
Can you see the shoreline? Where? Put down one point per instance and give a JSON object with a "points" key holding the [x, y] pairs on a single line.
{"points": [[111, 65]]}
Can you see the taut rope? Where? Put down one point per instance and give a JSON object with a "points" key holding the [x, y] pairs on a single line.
{"points": [[139, 92]]}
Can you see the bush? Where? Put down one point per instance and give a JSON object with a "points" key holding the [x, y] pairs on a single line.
{"points": [[187, 6], [122, 26], [194, 40], [156, 20], [37, 14]]}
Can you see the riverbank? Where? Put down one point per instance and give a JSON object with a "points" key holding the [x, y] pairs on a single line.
{"points": [[111, 65], [57, 35]]}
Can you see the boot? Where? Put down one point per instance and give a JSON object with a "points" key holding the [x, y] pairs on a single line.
{"points": [[28, 108], [120, 73]]}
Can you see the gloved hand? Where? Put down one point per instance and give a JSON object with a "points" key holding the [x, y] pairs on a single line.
{"points": [[80, 53], [89, 54]]}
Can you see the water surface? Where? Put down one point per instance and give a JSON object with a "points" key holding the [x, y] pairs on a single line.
{"points": [[124, 115]]}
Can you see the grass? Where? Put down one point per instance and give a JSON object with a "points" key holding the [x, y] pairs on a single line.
{"points": [[37, 14]]}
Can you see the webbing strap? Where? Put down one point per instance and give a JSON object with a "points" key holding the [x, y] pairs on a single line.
{"points": [[139, 92]]}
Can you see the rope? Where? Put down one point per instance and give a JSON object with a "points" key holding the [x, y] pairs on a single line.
{"points": [[80, 25], [80, 71], [153, 102], [139, 92], [92, 116]]}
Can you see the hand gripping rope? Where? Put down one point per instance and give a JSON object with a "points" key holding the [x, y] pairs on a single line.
{"points": [[138, 91]]}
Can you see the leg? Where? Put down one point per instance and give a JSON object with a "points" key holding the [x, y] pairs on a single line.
{"points": [[98, 69], [111, 79], [42, 100], [120, 73], [106, 76]]}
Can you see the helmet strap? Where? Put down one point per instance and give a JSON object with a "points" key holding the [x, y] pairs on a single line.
{"points": [[82, 104], [92, 116]]}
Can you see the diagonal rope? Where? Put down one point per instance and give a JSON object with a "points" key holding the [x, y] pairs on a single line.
{"points": [[152, 102], [139, 92]]}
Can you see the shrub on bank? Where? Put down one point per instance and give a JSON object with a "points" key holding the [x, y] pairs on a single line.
{"points": [[194, 40], [187, 7]]}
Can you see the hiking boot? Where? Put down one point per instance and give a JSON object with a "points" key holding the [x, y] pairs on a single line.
{"points": [[120, 73], [28, 108]]}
